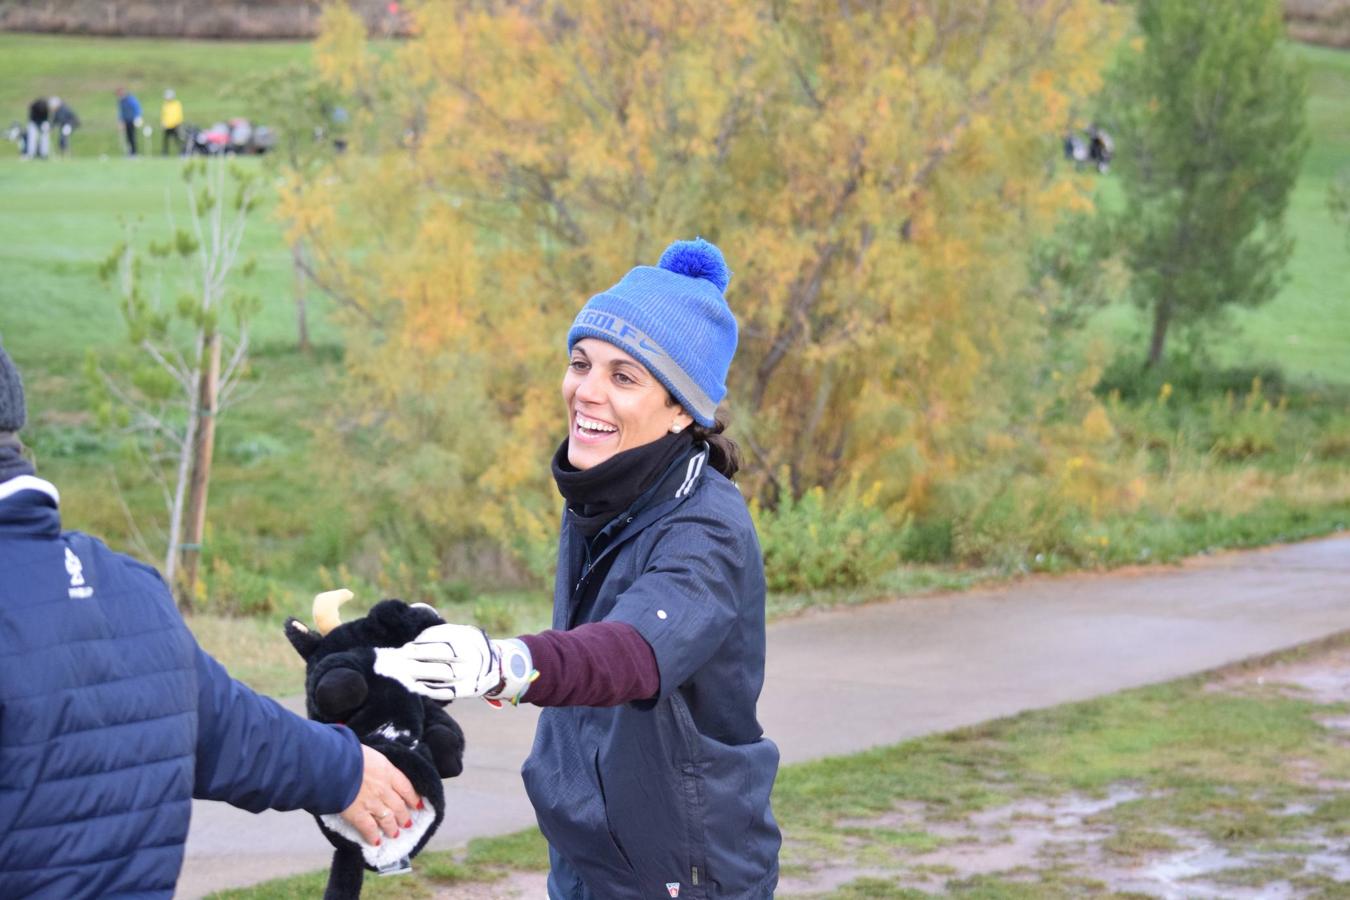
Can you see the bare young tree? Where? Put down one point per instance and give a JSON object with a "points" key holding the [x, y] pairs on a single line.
{"points": [[188, 353]]}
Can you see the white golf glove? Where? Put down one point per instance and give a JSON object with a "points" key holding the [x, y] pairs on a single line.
{"points": [[451, 662]]}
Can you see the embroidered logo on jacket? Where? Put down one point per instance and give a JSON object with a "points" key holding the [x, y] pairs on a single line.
{"points": [[78, 589], [673, 888], [691, 475]]}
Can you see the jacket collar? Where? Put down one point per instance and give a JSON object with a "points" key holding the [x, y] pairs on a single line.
{"points": [[674, 486], [28, 507], [579, 558]]}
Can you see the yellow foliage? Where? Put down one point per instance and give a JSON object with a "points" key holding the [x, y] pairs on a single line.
{"points": [[340, 50], [874, 176], [1097, 425]]}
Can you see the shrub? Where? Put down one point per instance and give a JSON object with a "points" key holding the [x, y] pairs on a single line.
{"points": [[819, 540], [1187, 378], [237, 591], [494, 616], [1236, 426], [928, 540], [1252, 426]]}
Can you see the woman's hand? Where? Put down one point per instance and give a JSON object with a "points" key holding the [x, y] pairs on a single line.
{"points": [[385, 802], [444, 662], [450, 662]]}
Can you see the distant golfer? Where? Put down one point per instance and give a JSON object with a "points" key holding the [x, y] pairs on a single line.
{"points": [[129, 113], [171, 121], [64, 123], [38, 137]]}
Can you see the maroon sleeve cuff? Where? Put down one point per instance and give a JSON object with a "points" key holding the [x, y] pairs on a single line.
{"points": [[597, 664]]}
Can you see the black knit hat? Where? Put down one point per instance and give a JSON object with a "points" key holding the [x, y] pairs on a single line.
{"points": [[12, 410]]}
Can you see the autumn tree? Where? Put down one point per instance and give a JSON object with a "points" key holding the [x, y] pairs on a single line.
{"points": [[1209, 114], [875, 174]]}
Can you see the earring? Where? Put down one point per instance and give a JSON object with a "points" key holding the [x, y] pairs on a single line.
{"points": [[676, 428]]}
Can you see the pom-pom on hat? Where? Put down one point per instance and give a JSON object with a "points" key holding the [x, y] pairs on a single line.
{"points": [[673, 319]]}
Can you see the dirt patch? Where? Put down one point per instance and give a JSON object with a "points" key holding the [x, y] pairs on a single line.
{"points": [[1323, 678], [1079, 836], [1009, 838], [516, 886], [1070, 833]]}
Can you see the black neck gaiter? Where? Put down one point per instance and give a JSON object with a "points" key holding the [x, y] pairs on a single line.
{"points": [[598, 494], [12, 463]]}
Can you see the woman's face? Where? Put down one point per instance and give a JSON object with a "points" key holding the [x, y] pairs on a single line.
{"points": [[613, 404]]}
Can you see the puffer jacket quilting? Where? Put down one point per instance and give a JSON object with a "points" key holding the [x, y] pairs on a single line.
{"points": [[112, 719]]}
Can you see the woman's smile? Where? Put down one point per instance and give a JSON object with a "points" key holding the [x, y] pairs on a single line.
{"points": [[594, 430]]}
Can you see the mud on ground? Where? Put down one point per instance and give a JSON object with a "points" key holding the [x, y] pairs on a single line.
{"points": [[1077, 845]]}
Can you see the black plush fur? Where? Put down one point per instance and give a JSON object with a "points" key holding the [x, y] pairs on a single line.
{"points": [[415, 733]]}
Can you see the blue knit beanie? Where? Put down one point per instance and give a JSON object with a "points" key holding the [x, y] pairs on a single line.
{"points": [[673, 319]]}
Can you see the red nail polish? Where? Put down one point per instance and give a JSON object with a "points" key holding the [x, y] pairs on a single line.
{"points": [[395, 833], [421, 804], [407, 824], [377, 842]]}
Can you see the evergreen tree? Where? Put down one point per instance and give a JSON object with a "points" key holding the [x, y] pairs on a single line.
{"points": [[1209, 116]]}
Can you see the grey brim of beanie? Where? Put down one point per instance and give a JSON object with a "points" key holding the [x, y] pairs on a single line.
{"points": [[683, 388]]}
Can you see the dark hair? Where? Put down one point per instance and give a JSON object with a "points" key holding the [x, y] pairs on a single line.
{"points": [[724, 454]]}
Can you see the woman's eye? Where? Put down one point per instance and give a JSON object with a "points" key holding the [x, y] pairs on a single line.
{"points": [[621, 378], [577, 365]]}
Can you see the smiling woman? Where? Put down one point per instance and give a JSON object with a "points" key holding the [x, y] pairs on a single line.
{"points": [[650, 775], [614, 404]]}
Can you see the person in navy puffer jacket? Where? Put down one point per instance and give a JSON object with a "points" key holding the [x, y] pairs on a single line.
{"points": [[112, 719]]}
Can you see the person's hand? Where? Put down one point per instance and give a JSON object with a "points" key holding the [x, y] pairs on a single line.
{"points": [[444, 662], [138, 122], [386, 799], [450, 662]]}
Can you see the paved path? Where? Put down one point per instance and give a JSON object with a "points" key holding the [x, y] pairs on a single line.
{"points": [[894, 671]]}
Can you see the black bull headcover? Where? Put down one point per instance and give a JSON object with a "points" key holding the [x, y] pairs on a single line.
{"points": [[414, 732]]}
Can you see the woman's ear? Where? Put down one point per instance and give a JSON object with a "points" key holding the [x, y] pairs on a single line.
{"points": [[682, 421]]}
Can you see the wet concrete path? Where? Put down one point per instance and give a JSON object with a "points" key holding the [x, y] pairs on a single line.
{"points": [[839, 682]]}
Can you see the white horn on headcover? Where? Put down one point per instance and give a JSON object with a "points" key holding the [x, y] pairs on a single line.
{"points": [[326, 616]]}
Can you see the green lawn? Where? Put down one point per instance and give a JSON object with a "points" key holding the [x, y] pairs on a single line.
{"points": [[60, 221], [1305, 330], [57, 225]]}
